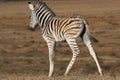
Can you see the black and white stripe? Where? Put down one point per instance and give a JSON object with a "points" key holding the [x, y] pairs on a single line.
{"points": [[56, 29]]}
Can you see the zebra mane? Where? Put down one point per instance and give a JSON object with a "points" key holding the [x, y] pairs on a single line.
{"points": [[40, 4]]}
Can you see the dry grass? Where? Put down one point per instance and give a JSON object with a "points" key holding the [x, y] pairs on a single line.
{"points": [[24, 54], [43, 77]]}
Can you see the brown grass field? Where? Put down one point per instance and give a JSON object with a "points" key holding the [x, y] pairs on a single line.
{"points": [[24, 54]]}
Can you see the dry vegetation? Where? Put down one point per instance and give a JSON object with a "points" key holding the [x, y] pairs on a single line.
{"points": [[24, 54]]}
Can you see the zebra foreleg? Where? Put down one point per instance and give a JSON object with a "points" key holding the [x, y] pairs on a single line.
{"points": [[92, 52], [51, 47], [73, 45]]}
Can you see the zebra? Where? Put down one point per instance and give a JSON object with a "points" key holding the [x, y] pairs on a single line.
{"points": [[55, 29]]}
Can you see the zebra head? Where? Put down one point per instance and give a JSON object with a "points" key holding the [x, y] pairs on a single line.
{"points": [[34, 21]]}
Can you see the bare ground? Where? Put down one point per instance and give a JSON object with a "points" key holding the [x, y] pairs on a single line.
{"points": [[25, 52]]}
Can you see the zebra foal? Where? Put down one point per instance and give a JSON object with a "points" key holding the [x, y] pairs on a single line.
{"points": [[56, 29]]}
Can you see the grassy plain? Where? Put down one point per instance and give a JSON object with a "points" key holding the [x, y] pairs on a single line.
{"points": [[24, 54]]}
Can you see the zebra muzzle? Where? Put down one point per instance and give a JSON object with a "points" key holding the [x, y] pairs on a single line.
{"points": [[31, 29]]}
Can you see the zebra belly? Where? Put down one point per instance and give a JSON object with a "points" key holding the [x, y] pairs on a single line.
{"points": [[59, 38]]}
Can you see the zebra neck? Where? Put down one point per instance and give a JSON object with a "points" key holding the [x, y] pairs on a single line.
{"points": [[45, 19]]}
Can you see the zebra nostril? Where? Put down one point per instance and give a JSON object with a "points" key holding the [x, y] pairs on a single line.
{"points": [[29, 17]]}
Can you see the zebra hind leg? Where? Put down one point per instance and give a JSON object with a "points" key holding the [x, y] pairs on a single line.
{"points": [[75, 50], [87, 42]]}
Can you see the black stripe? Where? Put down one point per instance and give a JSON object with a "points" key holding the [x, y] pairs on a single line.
{"points": [[44, 18], [83, 32], [72, 28], [38, 14], [55, 22], [63, 23], [39, 10], [51, 26], [71, 22], [60, 29], [48, 18]]}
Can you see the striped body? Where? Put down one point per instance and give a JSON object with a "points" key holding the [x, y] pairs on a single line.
{"points": [[60, 28], [56, 29]]}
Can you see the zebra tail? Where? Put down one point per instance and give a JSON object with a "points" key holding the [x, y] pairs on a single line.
{"points": [[93, 39], [86, 32]]}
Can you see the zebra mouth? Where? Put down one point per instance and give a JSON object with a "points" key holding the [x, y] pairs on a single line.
{"points": [[31, 29]]}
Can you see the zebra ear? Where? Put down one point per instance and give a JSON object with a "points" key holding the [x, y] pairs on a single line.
{"points": [[31, 6]]}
